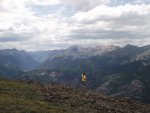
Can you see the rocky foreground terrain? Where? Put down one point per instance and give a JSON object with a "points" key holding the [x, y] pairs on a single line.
{"points": [[31, 97]]}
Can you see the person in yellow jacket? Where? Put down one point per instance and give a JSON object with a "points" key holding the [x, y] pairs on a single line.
{"points": [[84, 79]]}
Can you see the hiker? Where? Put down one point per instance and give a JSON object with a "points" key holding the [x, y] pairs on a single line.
{"points": [[84, 79]]}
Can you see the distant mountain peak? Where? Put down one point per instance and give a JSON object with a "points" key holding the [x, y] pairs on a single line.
{"points": [[130, 46], [74, 48]]}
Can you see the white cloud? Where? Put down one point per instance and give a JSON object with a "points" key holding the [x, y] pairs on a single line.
{"points": [[18, 22], [90, 22], [105, 13], [84, 5], [123, 21], [43, 2]]}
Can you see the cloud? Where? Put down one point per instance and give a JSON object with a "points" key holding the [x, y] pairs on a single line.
{"points": [[125, 21], [54, 24], [11, 37], [122, 2], [84, 5], [106, 13]]}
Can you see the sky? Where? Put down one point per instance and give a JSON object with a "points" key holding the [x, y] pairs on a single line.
{"points": [[34, 25]]}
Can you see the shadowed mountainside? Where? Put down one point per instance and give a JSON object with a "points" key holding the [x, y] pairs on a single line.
{"points": [[121, 72], [17, 59]]}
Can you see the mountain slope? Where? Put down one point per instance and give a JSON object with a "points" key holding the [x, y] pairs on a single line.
{"points": [[9, 72], [41, 56], [115, 72], [16, 59], [29, 97], [110, 70], [76, 52]]}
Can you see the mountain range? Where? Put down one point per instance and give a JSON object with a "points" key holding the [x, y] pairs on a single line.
{"points": [[112, 70]]}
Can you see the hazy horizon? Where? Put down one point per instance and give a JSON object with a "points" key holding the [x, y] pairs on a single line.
{"points": [[69, 47], [34, 25]]}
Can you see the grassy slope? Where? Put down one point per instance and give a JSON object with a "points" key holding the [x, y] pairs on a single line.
{"points": [[22, 97]]}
